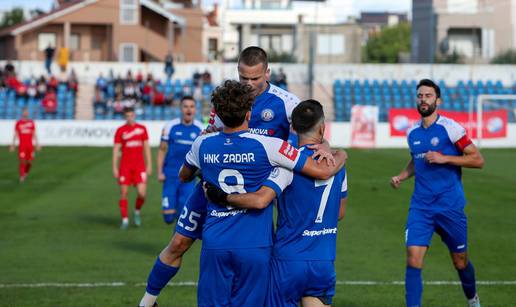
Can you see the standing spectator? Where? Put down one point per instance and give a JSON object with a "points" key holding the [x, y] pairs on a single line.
{"points": [[63, 58], [49, 55], [42, 87], [281, 79], [169, 66], [196, 78]]}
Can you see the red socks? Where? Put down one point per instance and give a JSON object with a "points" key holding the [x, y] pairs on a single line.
{"points": [[22, 169], [123, 208], [139, 203], [27, 168]]}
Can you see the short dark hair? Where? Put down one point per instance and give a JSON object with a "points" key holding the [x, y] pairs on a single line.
{"points": [[232, 100], [306, 115], [430, 83], [128, 109], [252, 56], [187, 97]]}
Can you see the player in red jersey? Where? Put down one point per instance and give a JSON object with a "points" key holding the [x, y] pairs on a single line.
{"points": [[25, 131], [133, 139]]}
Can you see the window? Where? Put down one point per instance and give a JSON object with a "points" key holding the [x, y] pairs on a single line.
{"points": [[45, 39], [330, 44], [75, 41], [128, 12], [128, 52], [463, 7], [212, 49]]}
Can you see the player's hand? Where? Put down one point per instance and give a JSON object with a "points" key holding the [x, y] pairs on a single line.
{"points": [[215, 194], [435, 157], [211, 129], [161, 177], [38, 148], [395, 182], [115, 173], [149, 170], [11, 148], [322, 152]]}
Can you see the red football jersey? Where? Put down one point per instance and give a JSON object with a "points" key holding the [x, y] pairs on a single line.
{"points": [[25, 129], [131, 138]]}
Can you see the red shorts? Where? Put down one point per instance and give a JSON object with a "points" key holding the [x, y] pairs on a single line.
{"points": [[26, 153], [132, 176]]}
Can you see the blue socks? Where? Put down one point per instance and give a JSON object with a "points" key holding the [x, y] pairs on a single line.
{"points": [[159, 277], [413, 287], [467, 278]]}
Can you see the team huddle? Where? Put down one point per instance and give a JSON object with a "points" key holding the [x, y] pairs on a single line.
{"points": [[246, 166]]}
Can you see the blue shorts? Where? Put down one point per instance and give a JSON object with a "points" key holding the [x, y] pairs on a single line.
{"points": [[175, 193], [451, 225], [291, 280], [193, 214], [237, 277]]}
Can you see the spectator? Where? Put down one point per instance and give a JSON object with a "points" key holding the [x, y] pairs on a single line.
{"points": [[63, 58], [196, 78], [73, 83], [41, 87], [169, 66], [99, 103], [49, 103], [101, 83], [49, 56], [282, 79], [158, 98], [9, 68], [206, 77]]}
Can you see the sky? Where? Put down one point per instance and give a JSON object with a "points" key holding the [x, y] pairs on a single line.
{"points": [[358, 5]]}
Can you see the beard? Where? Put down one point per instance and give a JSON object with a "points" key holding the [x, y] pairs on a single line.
{"points": [[429, 110]]}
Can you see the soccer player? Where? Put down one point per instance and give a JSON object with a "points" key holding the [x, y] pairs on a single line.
{"points": [[132, 139], [270, 115], [25, 132], [176, 139], [237, 242], [302, 267], [439, 148]]}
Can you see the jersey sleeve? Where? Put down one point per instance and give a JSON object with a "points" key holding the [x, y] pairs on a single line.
{"points": [[344, 187], [165, 133], [192, 157], [283, 154], [118, 136], [145, 134], [291, 102], [279, 179], [457, 134]]}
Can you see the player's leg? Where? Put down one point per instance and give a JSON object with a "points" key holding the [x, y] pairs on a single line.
{"points": [[28, 161], [22, 159], [452, 227], [418, 235], [122, 203], [252, 274], [183, 192], [141, 189], [168, 208], [166, 267], [320, 287]]}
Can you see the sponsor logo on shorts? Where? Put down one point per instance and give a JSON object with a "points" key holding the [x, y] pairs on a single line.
{"points": [[461, 246]]}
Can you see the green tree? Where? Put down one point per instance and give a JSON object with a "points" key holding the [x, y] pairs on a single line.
{"points": [[12, 17], [507, 57], [385, 46]]}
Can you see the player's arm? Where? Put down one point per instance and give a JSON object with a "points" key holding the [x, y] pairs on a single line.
{"points": [[162, 151], [342, 209], [324, 171], [36, 142], [116, 152], [405, 174], [471, 158], [187, 172], [255, 200], [15, 136], [148, 156]]}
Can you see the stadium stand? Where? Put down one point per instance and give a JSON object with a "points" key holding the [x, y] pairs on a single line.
{"points": [[152, 98], [45, 98], [401, 94]]}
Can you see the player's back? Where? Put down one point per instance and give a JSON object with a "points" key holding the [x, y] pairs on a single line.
{"points": [[179, 138], [238, 163], [433, 180], [308, 212]]}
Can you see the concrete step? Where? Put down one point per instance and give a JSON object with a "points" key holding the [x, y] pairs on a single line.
{"points": [[84, 107]]}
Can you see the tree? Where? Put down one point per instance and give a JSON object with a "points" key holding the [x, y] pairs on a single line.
{"points": [[385, 46], [12, 17], [507, 57]]}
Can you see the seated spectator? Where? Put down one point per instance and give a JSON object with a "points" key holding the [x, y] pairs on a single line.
{"points": [[206, 77], [117, 105], [53, 83], [147, 92], [158, 98], [73, 83], [49, 103], [32, 89], [196, 78], [99, 103], [41, 87], [101, 83], [139, 76]]}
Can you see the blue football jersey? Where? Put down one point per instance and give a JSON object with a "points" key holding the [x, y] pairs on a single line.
{"points": [[238, 163], [435, 182], [179, 138], [308, 212]]}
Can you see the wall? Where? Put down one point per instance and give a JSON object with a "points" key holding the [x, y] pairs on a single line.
{"points": [[100, 133]]}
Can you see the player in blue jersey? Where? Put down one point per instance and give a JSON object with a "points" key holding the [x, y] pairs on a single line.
{"points": [[302, 267], [237, 242], [176, 139], [270, 116], [439, 148]]}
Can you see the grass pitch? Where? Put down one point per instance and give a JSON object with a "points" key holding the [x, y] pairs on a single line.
{"points": [[60, 244]]}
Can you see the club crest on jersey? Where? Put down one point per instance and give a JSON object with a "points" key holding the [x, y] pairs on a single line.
{"points": [[267, 115], [434, 141], [193, 135], [288, 151]]}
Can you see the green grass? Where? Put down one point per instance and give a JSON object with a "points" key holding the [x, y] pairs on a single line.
{"points": [[61, 226]]}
